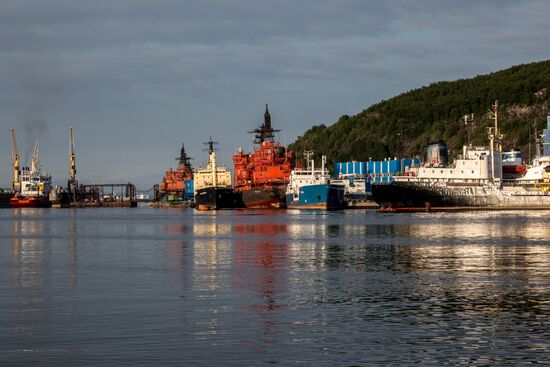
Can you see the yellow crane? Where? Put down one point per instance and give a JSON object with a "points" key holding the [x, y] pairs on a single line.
{"points": [[72, 159], [73, 183], [35, 156]]}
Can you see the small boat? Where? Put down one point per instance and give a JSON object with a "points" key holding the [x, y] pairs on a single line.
{"points": [[312, 189]]}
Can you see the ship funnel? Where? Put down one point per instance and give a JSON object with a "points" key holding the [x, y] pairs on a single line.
{"points": [[436, 154]]}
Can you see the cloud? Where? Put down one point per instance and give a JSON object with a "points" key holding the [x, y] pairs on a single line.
{"points": [[169, 67]]}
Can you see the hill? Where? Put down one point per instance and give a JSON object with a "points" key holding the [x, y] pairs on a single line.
{"points": [[403, 125]]}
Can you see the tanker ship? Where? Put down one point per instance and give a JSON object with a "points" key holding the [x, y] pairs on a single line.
{"points": [[213, 185], [178, 185], [261, 177], [476, 179]]}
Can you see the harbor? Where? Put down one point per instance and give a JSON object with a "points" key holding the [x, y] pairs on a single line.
{"points": [[272, 177], [248, 184]]}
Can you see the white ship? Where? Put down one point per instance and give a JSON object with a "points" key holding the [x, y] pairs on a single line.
{"points": [[474, 179]]}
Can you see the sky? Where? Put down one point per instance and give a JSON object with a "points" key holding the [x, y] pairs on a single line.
{"points": [[136, 78]]}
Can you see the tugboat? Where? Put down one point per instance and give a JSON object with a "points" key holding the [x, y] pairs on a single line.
{"points": [[477, 179], [34, 186], [311, 189], [213, 185], [178, 185], [261, 177]]}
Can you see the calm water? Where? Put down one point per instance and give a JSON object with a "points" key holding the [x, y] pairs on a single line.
{"points": [[177, 287]]}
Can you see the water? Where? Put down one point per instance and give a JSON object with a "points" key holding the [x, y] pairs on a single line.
{"points": [[137, 287]]}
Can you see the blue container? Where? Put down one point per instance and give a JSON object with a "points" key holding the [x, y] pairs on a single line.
{"points": [[350, 168], [189, 190]]}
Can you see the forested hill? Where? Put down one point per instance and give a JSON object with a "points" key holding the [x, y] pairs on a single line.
{"points": [[403, 125]]}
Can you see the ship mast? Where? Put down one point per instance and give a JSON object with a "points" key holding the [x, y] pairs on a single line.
{"points": [[265, 132], [495, 137], [16, 184], [183, 159], [469, 121], [309, 162], [498, 136], [212, 161]]}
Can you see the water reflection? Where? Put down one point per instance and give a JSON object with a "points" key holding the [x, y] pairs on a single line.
{"points": [[27, 250], [261, 271], [211, 261], [73, 251], [176, 229], [279, 287]]}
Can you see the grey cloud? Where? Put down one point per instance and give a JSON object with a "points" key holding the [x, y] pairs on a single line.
{"points": [[184, 70]]}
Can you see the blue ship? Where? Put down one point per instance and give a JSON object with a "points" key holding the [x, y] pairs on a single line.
{"points": [[311, 189]]}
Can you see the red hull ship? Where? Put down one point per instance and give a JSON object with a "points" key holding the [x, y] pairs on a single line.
{"points": [[178, 184], [261, 177], [30, 202]]}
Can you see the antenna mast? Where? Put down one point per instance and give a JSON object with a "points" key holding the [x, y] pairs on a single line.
{"points": [[308, 154], [497, 135]]}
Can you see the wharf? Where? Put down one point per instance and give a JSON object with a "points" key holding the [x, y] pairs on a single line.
{"points": [[104, 204], [368, 204], [171, 204], [459, 209]]}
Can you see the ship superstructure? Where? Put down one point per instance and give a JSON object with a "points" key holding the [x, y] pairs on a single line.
{"points": [[177, 185], [474, 179], [261, 177], [213, 189]]}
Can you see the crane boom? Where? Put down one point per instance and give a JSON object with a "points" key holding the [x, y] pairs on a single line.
{"points": [[35, 156], [16, 183], [72, 158]]}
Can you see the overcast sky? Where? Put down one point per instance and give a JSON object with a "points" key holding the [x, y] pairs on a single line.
{"points": [[137, 78]]}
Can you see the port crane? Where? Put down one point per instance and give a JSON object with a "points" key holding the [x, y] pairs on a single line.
{"points": [[16, 184], [73, 183], [35, 156]]}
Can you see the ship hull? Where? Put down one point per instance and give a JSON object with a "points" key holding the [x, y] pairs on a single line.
{"points": [[323, 197], [215, 198], [427, 195], [30, 202], [263, 198], [5, 198]]}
